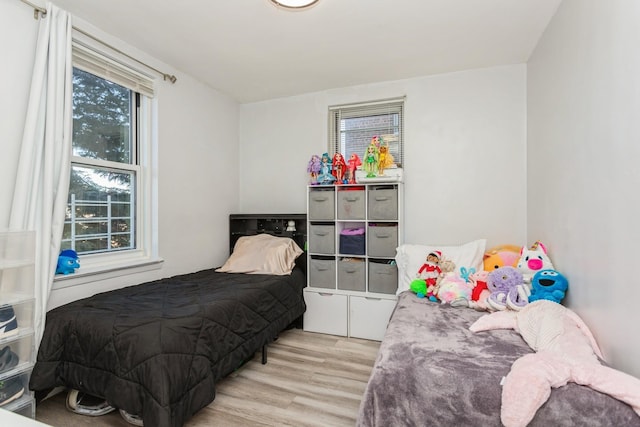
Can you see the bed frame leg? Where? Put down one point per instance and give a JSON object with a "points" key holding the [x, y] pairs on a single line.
{"points": [[264, 354]]}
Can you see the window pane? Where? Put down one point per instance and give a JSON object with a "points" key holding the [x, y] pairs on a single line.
{"points": [[102, 118], [101, 210], [356, 133]]}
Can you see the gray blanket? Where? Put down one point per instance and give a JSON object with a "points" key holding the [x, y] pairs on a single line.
{"points": [[432, 371]]}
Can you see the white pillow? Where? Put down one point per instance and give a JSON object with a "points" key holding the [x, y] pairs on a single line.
{"points": [[409, 258]]}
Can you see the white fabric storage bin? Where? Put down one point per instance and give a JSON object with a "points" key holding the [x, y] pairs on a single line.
{"points": [[382, 240], [351, 276], [383, 277], [322, 239], [322, 273], [383, 202], [351, 204], [321, 204]]}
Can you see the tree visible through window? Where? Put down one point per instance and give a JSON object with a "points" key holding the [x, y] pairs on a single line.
{"points": [[101, 215]]}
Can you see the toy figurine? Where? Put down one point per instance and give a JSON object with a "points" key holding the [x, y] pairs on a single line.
{"points": [[385, 158], [429, 272], [339, 167], [67, 262], [325, 176], [314, 168], [353, 163], [371, 159]]}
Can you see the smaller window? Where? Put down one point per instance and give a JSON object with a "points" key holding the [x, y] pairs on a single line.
{"points": [[353, 126]]}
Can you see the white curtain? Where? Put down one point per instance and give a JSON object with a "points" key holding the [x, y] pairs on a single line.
{"points": [[42, 180]]}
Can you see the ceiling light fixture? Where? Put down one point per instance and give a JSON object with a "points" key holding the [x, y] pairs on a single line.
{"points": [[294, 4]]}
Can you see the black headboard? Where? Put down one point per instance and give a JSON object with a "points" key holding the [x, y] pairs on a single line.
{"points": [[274, 224]]}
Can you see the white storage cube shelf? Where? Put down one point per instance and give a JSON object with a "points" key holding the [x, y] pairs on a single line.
{"points": [[17, 291], [349, 264]]}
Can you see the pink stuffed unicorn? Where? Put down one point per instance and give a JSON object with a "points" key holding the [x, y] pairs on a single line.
{"points": [[566, 352]]}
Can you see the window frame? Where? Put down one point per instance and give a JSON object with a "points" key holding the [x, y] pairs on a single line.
{"points": [[145, 257], [366, 109]]}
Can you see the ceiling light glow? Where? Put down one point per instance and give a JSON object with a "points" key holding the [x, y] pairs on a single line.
{"points": [[294, 4]]}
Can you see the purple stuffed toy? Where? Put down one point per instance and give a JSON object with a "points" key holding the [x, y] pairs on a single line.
{"points": [[507, 289]]}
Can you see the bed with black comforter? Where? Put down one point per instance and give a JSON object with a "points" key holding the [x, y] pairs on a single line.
{"points": [[158, 349]]}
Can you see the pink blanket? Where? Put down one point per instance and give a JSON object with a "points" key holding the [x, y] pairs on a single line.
{"points": [[566, 352]]}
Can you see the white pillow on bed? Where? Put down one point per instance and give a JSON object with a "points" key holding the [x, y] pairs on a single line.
{"points": [[409, 258], [262, 254]]}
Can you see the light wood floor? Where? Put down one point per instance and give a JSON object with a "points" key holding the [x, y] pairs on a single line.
{"points": [[310, 380]]}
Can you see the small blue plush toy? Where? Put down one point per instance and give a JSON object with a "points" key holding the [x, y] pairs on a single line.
{"points": [[67, 262], [549, 285]]}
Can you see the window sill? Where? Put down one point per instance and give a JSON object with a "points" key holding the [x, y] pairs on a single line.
{"points": [[97, 270]]}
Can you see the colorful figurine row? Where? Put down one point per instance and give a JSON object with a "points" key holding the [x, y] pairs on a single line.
{"points": [[326, 170]]}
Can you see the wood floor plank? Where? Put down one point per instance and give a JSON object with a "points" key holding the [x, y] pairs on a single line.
{"points": [[310, 380]]}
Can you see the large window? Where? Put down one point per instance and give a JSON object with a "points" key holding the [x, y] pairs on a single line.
{"points": [[110, 218], [352, 127], [101, 214]]}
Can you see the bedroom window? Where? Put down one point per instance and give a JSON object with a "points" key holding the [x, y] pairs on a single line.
{"points": [[352, 126], [110, 220], [101, 212]]}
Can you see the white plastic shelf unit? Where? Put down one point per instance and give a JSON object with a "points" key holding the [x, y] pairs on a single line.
{"points": [[17, 298], [353, 232]]}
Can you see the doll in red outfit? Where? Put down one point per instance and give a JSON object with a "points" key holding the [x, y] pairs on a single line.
{"points": [[430, 271], [353, 163], [339, 167]]}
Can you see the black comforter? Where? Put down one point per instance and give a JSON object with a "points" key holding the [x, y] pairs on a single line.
{"points": [[157, 349]]}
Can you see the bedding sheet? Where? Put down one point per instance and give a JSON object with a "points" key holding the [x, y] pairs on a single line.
{"points": [[157, 349], [431, 370]]}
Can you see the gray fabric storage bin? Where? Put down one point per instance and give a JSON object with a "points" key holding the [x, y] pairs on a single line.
{"points": [[351, 275], [322, 239], [321, 204], [322, 273], [383, 202], [351, 204], [383, 277], [382, 240]]}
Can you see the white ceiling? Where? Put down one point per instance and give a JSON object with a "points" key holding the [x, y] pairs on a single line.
{"points": [[254, 51]]}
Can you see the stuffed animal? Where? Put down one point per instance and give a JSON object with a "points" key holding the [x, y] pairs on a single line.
{"points": [[454, 290], [479, 292], [507, 289], [67, 262], [533, 260], [427, 282], [565, 352], [549, 285], [429, 273], [501, 256]]}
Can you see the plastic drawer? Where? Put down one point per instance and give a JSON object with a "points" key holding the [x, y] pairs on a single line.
{"points": [[322, 239], [322, 273], [383, 277], [22, 347], [321, 204], [382, 240], [351, 275], [383, 203], [351, 204]]}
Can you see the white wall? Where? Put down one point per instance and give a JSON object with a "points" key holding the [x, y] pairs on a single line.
{"points": [[197, 154], [583, 155], [465, 152]]}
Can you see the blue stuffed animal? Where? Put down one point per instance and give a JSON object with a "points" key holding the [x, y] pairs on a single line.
{"points": [[549, 285], [67, 262]]}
